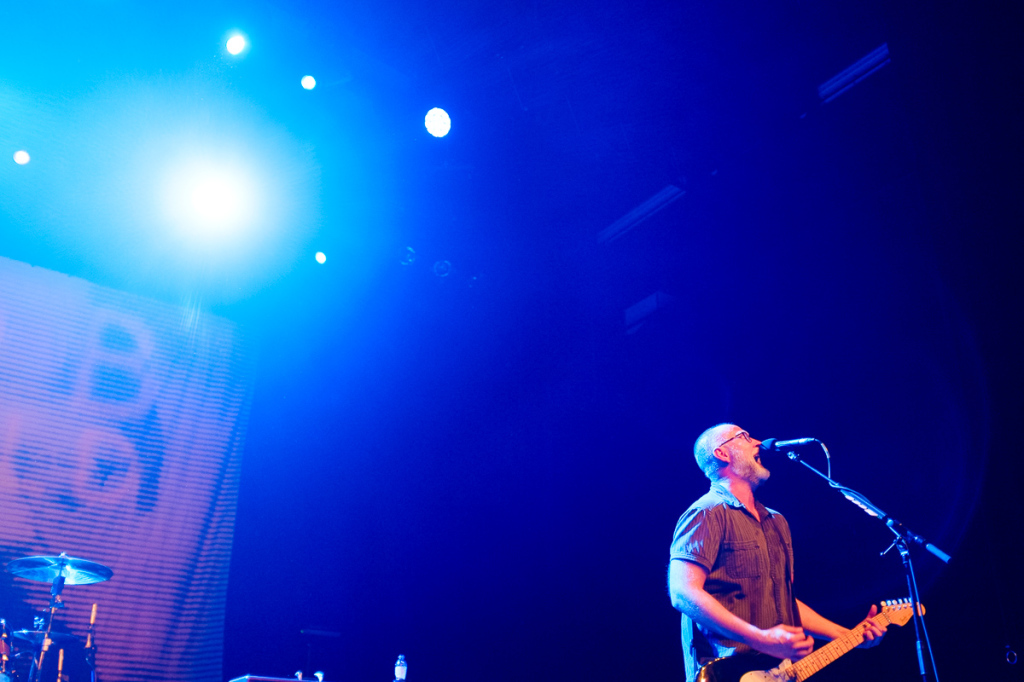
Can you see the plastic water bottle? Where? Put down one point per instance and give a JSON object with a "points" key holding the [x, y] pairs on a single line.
{"points": [[400, 668]]}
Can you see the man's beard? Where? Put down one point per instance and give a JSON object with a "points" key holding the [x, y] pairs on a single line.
{"points": [[753, 472]]}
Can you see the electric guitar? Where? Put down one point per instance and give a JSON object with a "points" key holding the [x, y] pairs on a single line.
{"points": [[758, 667]]}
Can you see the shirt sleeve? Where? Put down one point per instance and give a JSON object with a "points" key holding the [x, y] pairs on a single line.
{"points": [[697, 537]]}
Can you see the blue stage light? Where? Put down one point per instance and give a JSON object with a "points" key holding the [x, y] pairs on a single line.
{"points": [[321, 257], [210, 199], [216, 197], [236, 44], [438, 122], [308, 82], [21, 157]]}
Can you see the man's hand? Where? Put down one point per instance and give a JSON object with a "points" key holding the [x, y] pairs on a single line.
{"points": [[785, 641], [873, 633]]}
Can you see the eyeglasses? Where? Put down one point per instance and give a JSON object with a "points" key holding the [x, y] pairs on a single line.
{"points": [[742, 434]]}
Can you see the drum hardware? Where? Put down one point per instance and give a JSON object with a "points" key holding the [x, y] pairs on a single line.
{"points": [[58, 571], [5, 648], [47, 569], [35, 637], [90, 646]]}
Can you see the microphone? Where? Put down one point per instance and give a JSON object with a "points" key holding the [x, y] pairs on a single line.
{"points": [[776, 445]]}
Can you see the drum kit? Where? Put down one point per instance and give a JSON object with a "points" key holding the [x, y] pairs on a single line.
{"points": [[58, 571]]}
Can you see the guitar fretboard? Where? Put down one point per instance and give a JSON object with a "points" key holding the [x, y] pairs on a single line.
{"points": [[817, 660]]}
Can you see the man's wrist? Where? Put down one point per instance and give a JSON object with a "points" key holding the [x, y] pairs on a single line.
{"points": [[757, 637]]}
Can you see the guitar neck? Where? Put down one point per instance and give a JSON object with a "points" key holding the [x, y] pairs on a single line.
{"points": [[817, 660]]}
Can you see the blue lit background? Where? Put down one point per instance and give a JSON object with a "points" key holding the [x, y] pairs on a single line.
{"points": [[463, 456]]}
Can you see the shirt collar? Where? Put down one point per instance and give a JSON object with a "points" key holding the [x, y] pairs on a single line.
{"points": [[731, 500]]}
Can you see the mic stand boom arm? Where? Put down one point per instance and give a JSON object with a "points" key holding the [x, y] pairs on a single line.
{"points": [[873, 510], [903, 535]]}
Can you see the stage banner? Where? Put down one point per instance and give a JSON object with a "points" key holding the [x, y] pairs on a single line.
{"points": [[121, 429]]}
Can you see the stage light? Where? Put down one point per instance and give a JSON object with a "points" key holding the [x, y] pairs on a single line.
{"points": [[210, 199], [216, 197], [308, 82], [321, 258], [236, 44], [21, 157], [438, 122]]}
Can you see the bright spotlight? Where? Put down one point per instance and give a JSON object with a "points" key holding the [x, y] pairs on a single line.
{"points": [[236, 44], [438, 123], [321, 258], [210, 198], [308, 82], [21, 157], [216, 198]]}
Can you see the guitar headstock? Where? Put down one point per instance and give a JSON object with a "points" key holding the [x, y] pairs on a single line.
{"points": [[898, 611]]}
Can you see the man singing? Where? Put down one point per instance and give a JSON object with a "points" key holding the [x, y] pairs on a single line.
{"points": [[731, 568]]}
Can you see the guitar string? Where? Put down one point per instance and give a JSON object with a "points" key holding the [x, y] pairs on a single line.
{"points": [[809, 665]]}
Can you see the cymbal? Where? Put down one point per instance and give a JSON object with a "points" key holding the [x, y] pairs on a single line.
{"points": [[46, 568], [36, 636]]}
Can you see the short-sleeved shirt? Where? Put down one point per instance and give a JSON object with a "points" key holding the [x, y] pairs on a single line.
{"points": [[750, 569]]}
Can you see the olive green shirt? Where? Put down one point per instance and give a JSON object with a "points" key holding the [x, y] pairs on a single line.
{"points": [[750, 569]]}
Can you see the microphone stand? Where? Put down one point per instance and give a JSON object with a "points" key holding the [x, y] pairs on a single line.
{"points": [[903, 535]]}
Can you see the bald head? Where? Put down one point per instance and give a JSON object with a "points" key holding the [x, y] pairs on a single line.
{"points": [[704, 449]]}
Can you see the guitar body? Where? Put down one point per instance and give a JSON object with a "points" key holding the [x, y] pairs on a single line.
{"points": [[744, 668], [761, 668]]}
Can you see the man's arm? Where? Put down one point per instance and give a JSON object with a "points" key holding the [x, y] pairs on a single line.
{"points": [[818, 625], [686, 588]]}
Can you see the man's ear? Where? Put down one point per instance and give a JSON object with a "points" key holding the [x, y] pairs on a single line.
{"points": [[721, 455]]}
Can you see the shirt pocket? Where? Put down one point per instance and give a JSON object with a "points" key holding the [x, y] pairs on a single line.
{"points": [[742, 559]]}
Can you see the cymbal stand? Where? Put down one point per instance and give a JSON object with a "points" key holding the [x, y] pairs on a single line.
{"points": [[90, 646], [55, 603]]}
